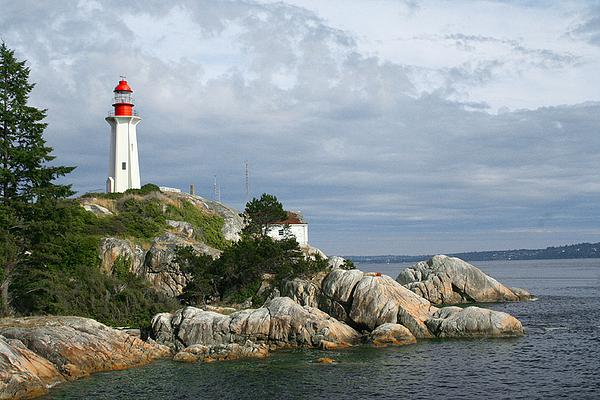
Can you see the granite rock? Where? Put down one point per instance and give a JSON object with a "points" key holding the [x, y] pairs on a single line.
{"points": [[457, 322], [38, 352], [112, 249], [450, 280], [363, 300], [160, 269], [23, 373], [281, 322], [391, 334], [378, 299]]}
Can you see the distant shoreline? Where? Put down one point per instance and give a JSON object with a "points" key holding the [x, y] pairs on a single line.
{"points": [[574, 251]]}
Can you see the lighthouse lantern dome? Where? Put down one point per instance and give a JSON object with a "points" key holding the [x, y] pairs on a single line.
{"points": [[123, 102], [123, 86]]}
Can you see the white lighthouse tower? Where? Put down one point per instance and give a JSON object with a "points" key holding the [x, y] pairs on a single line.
{"points": [[123, 167]]}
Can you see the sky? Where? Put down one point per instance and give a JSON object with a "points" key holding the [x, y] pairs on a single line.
{"points": [[396, 127]]}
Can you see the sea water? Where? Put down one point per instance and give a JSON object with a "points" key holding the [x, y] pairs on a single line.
{"points": [[559, 356]]}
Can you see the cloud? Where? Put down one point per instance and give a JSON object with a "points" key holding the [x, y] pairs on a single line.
{"points": [[588, 27], [542, 58], [348, 136], [490, 59]]}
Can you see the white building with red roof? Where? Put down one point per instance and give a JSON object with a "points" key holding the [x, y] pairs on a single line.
{"points": [[293, 226]]}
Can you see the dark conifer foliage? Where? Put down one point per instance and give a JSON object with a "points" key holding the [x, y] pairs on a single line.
{"points": [[27, 189], [260, 213], [25, 175]]}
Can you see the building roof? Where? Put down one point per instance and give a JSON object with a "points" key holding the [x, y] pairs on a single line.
{"points": [[293, 218]]}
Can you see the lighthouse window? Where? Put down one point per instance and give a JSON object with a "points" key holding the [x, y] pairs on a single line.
{"points": [[124, 165]]}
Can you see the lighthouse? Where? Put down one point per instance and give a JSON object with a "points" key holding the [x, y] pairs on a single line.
{"points": [[123, 167]]}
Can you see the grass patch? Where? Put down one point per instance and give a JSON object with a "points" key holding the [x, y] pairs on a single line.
{"points": [[144, 190], [209, 226], [142, 214]]}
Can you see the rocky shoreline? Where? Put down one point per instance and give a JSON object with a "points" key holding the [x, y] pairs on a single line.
{"points": [[331, 310], [337, 309], [37, 353], [450, 280]]}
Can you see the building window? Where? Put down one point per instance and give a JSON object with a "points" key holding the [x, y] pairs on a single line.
{"points": [[281, 232], [124, 166]]}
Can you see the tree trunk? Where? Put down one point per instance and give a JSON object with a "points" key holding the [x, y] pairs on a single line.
{"points": [[5, 300]]}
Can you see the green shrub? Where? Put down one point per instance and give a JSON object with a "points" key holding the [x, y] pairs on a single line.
{"points": [[203, 287], [145, 218], [122, 268], [61, 275], [238, 273], [87, 292], [246, 292], [142, 219], [209, 226], [348, 265], [144, 190]]}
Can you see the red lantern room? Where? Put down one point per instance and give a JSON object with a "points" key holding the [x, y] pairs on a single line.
{"points": [[123, 99]]}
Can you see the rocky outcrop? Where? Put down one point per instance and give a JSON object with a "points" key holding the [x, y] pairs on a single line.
{"points": [[391, 334], [233, 221], [39, 352], [336, 262], [112, 249], [522, 294], [363, 300], [456, 322], [182, 228], [155, 265], [97, 210], [221, 352], [380, 299], [98, 207], [280, 323], [312, 252], [23, 373], [367, 301], [449, 280], [159, 268], [386, 312], [305, 291]]}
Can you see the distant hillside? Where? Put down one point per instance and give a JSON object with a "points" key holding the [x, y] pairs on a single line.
{"points": [[581, 250]]}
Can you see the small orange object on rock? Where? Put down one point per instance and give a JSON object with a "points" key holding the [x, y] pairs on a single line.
{"points": [[325, 360]]}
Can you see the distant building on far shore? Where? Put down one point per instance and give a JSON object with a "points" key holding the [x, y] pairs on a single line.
{"points": [[297, 227]]}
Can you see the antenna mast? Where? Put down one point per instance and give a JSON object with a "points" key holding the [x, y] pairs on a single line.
{"points": [[247, 182], [216, 190]]}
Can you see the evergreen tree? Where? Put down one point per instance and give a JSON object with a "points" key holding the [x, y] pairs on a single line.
{"points": [[27, 191], [260, 213], [25, 175]]}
